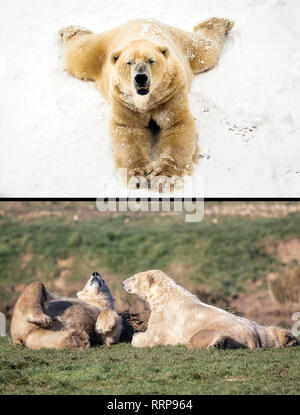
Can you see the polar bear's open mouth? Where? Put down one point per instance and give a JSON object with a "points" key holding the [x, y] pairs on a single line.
{"points": [[142, 90], [142, 83]]}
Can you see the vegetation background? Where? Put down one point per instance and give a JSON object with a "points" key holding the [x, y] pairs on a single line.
{"points": [[244, 257]]}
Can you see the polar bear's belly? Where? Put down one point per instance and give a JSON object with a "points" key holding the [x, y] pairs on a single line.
{"points": [[73, 315]]}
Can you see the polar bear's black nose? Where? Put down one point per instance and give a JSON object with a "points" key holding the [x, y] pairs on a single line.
{"points": [[141, 79], [96, 278]]}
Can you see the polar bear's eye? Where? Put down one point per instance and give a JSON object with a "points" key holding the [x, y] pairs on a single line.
{"points": [[151, 60]]}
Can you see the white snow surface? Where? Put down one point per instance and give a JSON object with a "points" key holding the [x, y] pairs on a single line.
{"points": [[54, 128]]}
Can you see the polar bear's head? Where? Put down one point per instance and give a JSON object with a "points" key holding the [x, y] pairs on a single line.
{"points": [[96, 292], [144, 284], [139, 68]]}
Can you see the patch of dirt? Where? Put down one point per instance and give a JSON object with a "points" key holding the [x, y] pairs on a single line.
{"points": [[25, 260], [178, 271], [216, 300], [252, 286], [286, 251], [65, 263], [236, 379], [283, 372], [284, 287], [61, 283], [261, 308], [130, 304], [20, 288]]}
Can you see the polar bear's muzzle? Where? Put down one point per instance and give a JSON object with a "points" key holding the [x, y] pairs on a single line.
{"points": [[126, 285], [96, 279]]}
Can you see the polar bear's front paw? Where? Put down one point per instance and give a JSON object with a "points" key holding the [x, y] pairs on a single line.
{"points": [[106, 321], [67, 32], [169, 167], [44, 320], [137, 177], [138, 182], [163, 178], [136, 339], [109, 326]]}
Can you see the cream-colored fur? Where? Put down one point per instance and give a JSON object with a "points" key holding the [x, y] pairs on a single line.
{"points": [[179, 317], [170, 57], [42, 320]]}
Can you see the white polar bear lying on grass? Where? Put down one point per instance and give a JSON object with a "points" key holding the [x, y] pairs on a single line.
{"points": [[179, 317]]}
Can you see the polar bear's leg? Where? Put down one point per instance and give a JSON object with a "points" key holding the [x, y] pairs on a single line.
{"points": [[177, 143], [282, 337], [142, 340], [203, 47], [75, 339], [83, 51], [149, 338], [72, 339], [131, 148], [67, 32], [109, 326], [31, 304], [213, 338]]}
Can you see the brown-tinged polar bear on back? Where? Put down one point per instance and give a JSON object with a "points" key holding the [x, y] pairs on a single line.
{"points": [[179, 317], [41, 319], [144, 69]]}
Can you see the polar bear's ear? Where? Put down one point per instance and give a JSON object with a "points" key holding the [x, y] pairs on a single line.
{"points": [[114, 57], [150, 280], [164, 50]]}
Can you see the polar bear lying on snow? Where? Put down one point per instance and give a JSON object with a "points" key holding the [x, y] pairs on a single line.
{"points": [[41, 319], [144, 70], [179, 317]]}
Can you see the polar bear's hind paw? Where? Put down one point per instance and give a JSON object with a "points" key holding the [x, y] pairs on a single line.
{"points": [[76, 340]]}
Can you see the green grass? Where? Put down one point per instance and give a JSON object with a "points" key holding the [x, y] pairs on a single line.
{"points": [[222, 256], [122, 369]]}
